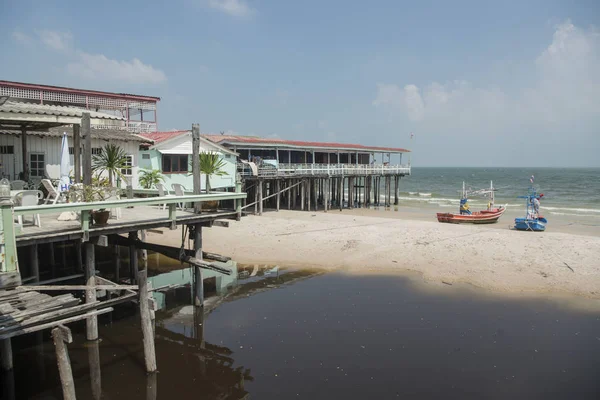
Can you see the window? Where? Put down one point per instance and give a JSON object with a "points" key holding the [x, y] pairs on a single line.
{"points": [[7, 149], [37, 164], [145, 156], [174, 163], [129, 165]]}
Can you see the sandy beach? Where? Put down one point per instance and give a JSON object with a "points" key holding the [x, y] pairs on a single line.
{"points": [[371, 241]]}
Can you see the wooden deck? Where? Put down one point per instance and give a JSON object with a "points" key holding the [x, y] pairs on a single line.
{"points": [[137, 218]]}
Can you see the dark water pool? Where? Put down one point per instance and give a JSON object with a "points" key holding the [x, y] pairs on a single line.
{"points": [[334, 336]]}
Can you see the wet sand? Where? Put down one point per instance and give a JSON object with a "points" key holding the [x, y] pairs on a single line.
{"points": [[562, 260]]}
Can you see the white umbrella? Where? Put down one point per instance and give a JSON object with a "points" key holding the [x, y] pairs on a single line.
{"points": [[65, 164]]}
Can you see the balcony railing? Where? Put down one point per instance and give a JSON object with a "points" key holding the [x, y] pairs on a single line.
{"points": [[267, 170]]}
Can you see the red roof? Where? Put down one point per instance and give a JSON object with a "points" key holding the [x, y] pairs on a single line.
{"points": [[253, 140], [78, 91], [162, 136]]}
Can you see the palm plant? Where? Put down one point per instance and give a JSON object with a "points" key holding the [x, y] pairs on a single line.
{"points": [[150, 178], [211, 164], [112, 159]]}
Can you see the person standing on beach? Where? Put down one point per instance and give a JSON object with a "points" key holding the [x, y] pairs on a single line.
{"points": [[536, 206]]}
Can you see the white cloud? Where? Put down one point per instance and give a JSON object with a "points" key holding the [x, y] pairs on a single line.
{"points": [[565, 88], [100, 67], [235, 8], [21, 37], [54, 40]]}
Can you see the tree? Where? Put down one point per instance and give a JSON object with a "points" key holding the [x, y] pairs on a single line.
{"points": [[211, 164], [112, 159], [150, 178]]}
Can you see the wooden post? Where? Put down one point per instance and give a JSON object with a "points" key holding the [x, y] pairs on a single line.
{"points": [[151, 387], [256, 198], [95, 373], [144, 251], [294, 193], [260, 196], [302, 193], [52, 259], [78, 255], [396, 189], [278, 188], [24, 154], [342, 194], [117, 262], [198, 282], [6, 356], [77, 153], [60, 336], [326, 193], [148, 335], [133, 258], [87, 148], [308, 185], [289, 193], [90, 294], [35, 263], [196, 174]]}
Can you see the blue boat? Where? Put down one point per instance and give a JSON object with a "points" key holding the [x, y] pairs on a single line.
{"points": [[532, 221]]}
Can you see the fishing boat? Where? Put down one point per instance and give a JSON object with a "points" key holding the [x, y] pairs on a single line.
{"points": [[532, 220], [488, 216]]}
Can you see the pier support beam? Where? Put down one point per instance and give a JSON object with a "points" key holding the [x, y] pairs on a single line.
{"points": [[278, 189], [35, 263], [95, 372], [198, 282], [91, 322], [6, 356], [133, 258], [260, 196], [62, 335], [396, 189], [146, 320]]}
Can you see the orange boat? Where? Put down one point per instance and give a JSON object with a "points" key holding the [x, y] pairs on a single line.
{"points": [[488, 216], [477, 217]]}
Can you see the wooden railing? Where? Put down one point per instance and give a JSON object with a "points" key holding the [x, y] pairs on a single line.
{"points": [[8, 253], [325, 169]]}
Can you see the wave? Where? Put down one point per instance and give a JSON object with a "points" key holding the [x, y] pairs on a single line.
{"points": [[578, 210], [575, 215], [425, 194]]}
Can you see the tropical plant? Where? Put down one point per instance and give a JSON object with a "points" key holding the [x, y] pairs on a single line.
{"points": [[111, 159], [211, 164], [150, 178]]}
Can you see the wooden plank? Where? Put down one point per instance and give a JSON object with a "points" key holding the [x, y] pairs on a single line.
{"points": [[9, 279], [47, 325], [222, 224], [80, 287]]}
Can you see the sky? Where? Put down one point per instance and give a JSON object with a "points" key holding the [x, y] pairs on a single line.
{"points": [[479, 83]]}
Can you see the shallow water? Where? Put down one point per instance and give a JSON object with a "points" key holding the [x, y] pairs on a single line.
{"points": [[303, 334]]}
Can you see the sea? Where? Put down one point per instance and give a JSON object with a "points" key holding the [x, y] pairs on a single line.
{"points": [[567, 191]]}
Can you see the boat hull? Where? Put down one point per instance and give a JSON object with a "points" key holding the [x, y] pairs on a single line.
{"points": [[479, 217], [529, 224]]}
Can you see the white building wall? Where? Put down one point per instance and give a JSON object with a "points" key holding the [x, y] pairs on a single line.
{"points": [[12, 164]]}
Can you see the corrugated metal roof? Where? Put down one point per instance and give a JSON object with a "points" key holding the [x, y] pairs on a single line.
{"points": [[79, 91], [46, 109], [281, 143], [101, 134]]}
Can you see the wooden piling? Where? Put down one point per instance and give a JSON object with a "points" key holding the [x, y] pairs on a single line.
{"points": [[198, 282], [278, 189], [95, 372], [78, 255], [260, 196], [117, 262], [302, 193], [90, 294], [146, 321], [76, 153], [396, 189], [35, 264], [6, 356], [342, 193], [87, 148], [61, 335], [133, 258], [325, 194]]}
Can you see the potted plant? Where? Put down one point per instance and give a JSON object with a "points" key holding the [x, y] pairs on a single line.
{"points": [[211, 164], [91, 193]]}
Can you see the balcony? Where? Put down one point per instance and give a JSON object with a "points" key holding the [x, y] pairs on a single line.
{"points": [[291, 170]]}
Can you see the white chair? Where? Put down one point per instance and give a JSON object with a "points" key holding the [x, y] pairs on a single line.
{"points": [[29, 198], [18, 185], [114, 212], [162, 192], [53, 194], [179, 191]]}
